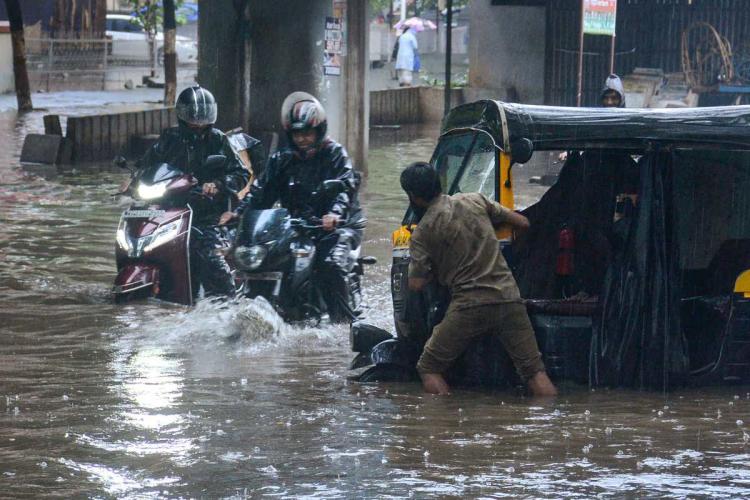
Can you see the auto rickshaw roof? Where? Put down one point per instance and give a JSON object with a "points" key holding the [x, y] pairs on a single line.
{"points": [[566, 128]]}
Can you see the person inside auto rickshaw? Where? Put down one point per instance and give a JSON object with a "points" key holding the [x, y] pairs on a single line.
{"points": [[455, 244]]}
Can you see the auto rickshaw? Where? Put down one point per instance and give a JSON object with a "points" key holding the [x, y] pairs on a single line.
{"points": [[636, 268]]}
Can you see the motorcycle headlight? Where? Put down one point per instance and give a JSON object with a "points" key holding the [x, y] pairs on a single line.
{"points": [[153, 191], [250, 257], [163, 234]]}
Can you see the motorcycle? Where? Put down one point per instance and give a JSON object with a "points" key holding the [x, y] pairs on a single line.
{"points": [[273, 257], [152, 248]]}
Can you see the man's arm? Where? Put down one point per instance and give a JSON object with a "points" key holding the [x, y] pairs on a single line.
{"points": [[420, 264], [499, 215], [341, 169]]}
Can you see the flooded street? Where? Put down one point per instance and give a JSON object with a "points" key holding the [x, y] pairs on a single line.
{"points": [[152, 400]]}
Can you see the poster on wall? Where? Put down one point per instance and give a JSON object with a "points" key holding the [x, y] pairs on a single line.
{"points": [[599, 17], [333, 47]]}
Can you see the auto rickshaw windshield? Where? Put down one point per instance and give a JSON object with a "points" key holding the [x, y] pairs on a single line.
{"points": [[466, 163]]}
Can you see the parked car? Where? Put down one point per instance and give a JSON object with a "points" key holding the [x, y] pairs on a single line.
{"points": [[129, 41]]}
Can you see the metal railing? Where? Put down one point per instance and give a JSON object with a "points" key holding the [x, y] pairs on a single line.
{"points": [[89, 61]]}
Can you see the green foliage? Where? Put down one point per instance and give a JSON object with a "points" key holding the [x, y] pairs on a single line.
{"points": [[149, 14]]}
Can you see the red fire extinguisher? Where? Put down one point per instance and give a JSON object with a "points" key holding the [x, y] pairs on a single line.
{"points": [[566, 245]]}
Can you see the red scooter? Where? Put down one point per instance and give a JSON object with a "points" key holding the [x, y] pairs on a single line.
{"points": [[153, 238]]}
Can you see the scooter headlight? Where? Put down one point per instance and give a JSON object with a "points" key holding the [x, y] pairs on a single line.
{"points": [[250, 258], [153, 191], [162, 235]]}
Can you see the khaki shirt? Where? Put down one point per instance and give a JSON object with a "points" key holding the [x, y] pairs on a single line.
{"points": [[455, 242]]}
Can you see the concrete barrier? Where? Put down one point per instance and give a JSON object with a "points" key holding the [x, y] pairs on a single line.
{"points": [[102, 137], [395, 106], [408, 105]]}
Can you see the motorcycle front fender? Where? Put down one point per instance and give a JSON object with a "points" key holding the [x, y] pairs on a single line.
{"points": [[135, 277]]}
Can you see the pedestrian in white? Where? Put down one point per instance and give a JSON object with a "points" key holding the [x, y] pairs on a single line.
{"points": [[407, 50]]}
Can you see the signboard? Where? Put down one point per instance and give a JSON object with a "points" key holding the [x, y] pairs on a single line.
{"points": [[599, 17], [333, 47]]}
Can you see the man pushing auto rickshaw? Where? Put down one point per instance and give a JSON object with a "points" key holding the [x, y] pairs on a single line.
{"points": [[455, 244]]}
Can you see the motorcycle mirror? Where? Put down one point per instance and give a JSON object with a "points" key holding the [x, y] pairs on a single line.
{"points": [[214, 161], [333, 187], [120, 162]]}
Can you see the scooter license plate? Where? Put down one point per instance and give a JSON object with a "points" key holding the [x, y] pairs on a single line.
{"points": [[143, 214], [262, 276]]}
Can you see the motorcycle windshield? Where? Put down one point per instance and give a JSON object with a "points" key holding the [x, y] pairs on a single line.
{"points": [[160, 172], [262, 226]]}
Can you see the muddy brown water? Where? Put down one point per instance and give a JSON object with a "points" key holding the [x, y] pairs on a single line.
{"points": [[152, 400]]}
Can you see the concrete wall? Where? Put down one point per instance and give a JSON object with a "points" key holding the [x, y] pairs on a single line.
{"points": [[506, 52], [286, 46], [6, 63]]}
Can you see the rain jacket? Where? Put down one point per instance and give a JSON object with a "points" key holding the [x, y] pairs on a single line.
{"points": [[614, 83], [407, 49], [292, 180], [179, 146]]}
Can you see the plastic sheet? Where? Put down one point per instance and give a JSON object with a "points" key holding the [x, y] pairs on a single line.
{"points": [[638, 340], [561, 128]]}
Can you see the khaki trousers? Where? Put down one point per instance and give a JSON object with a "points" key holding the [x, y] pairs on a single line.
{"points": [[460, 326]]}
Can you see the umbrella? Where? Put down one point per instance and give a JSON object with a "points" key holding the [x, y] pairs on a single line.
{"points": [[417, 23]]}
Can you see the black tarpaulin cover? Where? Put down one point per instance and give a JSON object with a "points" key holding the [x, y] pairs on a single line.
{"points": [[638, 340], [550, 127]]}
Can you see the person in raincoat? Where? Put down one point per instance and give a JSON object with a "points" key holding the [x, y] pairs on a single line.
{"points": [[405, 59], [613, 93]]}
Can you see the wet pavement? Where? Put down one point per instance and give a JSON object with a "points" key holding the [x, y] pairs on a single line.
{"points": [[153, 400]]}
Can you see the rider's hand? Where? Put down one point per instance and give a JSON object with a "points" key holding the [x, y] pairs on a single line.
{"points": [[227, 217], [330, 221], [210, 189]]}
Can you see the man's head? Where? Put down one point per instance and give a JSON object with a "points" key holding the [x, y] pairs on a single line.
{"points": [[196, 109], [421, 182], [305, 122], [613, 93]]}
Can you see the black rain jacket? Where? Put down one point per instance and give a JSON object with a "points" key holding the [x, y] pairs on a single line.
{"points": [[181, 147], [290, 179]]}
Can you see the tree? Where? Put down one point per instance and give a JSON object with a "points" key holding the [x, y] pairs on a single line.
{"points": [[23, 92], [170, 56], [149, 15]]}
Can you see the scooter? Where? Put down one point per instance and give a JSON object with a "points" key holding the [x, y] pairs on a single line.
{"points": [[153, 237], [273, 257]]}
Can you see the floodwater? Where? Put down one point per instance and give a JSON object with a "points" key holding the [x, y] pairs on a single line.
{"points": [[154, 401]]}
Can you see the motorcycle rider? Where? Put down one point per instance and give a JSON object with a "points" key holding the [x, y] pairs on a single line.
{"points": [[293, 174], [188, 146]]}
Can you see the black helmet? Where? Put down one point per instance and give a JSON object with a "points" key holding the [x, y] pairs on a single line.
{"points": [[302, 111], [196, 106]]}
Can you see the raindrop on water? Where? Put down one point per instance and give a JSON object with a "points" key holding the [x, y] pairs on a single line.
{"points": [[65, 397], [739, 423], [587, 413], [243, 381], [660, 413], [608, 431]]}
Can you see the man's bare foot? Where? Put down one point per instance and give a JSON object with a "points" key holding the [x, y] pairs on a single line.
{"points": [[541, 386], [434, 383]]}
